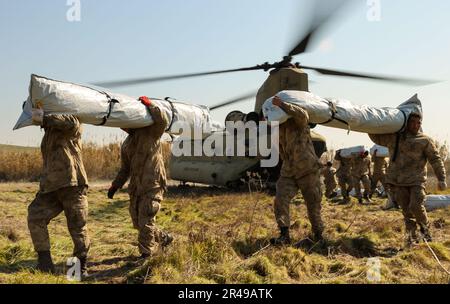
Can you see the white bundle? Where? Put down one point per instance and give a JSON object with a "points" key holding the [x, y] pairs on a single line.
{"points": [[352, 151], [97, 107], [340, 113], [381, 151], [433, 202]]}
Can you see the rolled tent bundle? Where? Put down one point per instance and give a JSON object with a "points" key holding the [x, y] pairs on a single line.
{"points": [[342, 114], [352, 151], [96, 107], [381, 151]]}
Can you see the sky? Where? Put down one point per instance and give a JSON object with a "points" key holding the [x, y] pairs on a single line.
{"points": [[116, 39]]}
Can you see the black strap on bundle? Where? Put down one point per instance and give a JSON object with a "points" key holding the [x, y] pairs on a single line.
{"points": [[397, 138], [173, 112], [397, 141], [111, 102], [333, 116]]}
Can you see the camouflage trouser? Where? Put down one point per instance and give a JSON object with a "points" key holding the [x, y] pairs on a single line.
{"points": [[345, 183], [375, 179], [412, 201], [329, 189], [46, 206], [143, 210], [287, 188], [357, 184]]}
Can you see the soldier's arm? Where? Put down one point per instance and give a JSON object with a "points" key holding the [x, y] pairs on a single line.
{"points": [[435, 160], [300, 116], [383, 139], [161, 122], [63, 122], [124, 172]]}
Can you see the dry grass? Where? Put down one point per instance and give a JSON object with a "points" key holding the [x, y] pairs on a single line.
{"points": [[219, 235], [218, 240], [24, 164]]}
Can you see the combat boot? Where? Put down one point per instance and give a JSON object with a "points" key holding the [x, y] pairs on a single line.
{"points": [[411, 238], [166, 239], [346, 198], [426, 235], [333, 194], [83, 268], [45, 262], [283, 239]]}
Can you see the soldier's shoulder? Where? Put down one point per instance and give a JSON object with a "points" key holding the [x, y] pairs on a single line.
{"points": [[425, 138]]}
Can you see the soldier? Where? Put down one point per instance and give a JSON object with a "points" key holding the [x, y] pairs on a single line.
{"points": [[329, 174], [407, 173], [344, 176], [379, 172], [63, 187], [142, 160], [360, 174], [300, 170]]}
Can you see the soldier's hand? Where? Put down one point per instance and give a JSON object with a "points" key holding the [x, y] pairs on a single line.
{"points": [[442, 186], [112, 190], [37, 115], [276, 101]]}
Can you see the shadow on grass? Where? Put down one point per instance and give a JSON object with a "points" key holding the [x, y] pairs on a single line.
{"points": [[358, 247], [248, 247], [17, 267], [198, 191], [120, 272], [112, 208]]}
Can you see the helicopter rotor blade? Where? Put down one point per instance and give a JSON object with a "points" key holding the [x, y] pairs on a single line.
{"points": [[136, 81], [234, 100], [321, 16], [404, 80]]}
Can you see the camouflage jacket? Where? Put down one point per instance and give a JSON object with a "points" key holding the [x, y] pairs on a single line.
{"points": [[142, 158], [360, 166], [296, 147], [409, 168], [61, 153], [345, 166], [379, 165], [330, 176]]}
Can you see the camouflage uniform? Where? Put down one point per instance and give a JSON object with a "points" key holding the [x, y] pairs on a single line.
{"points": [[379, 172], [142, 160], [300, 169], [407, 174], [63, 185], [360, 174], [329, 174], [344, 175]]}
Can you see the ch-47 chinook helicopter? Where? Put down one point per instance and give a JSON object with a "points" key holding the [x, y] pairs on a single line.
{"points": [[283, 75]]}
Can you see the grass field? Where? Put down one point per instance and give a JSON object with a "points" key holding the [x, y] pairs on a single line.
{"points": [[218, 239]]}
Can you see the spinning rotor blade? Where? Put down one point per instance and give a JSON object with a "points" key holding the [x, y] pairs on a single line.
{"points": [[404, 80], [129, 82], [321, 16], [234, 100]]}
